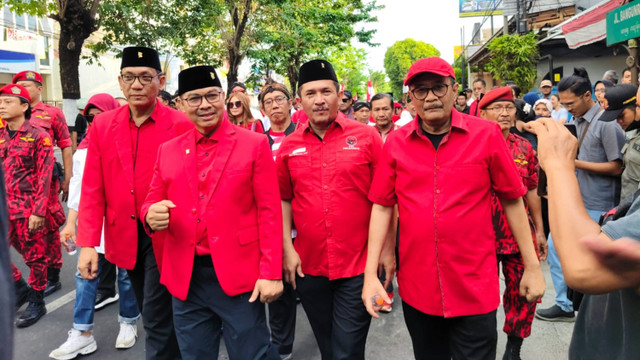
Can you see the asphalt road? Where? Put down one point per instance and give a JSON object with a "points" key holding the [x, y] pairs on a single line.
{"points": [[388, 337]]}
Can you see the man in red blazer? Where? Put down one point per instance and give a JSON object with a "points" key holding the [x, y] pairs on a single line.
{"points": [[214, 201], [123, 145]]}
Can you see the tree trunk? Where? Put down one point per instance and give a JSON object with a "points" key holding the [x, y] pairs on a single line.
{"points": [[234, 63], [76, 24]]}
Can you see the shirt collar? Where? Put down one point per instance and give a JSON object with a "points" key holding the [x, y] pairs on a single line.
{"points": [[457, 121], [223, 129], [591, 114], [340, 122]]}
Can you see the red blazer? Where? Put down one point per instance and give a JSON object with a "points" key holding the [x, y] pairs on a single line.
{"points": [[243, 218], [107, 184]]}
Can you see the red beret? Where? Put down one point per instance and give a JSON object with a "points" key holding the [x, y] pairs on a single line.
{"points": [[27, 75], [397, 105], [499, 94], [15, 90], [433, 65]]}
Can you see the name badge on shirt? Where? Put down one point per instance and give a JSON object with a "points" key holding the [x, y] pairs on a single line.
{"points": [[299, 152]]}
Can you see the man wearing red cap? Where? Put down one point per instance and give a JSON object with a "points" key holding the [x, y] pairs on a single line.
{"points": [[440, 170], [51, 119], [122, 150], [498, 105], [27, 157]]}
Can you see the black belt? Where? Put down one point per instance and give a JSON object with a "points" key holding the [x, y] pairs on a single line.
{"points": [[203, 261]]}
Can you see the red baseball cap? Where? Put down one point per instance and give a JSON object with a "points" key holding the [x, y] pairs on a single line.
{"points": [[435, 65], [397, 105], [498, 94], [27, 75], [15, 90]]}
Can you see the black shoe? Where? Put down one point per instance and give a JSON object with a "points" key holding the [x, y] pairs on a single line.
{"points": [[34, 311], [22, 292], [103, 299], [554, 313], [512, 352], [52, 287], [53, 281]]}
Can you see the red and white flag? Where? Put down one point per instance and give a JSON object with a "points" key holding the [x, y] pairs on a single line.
{"points": [[370, 91], [342, 87], [355, 96]]}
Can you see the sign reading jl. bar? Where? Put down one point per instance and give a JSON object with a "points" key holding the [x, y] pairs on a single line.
{"points": [[623, 23]]}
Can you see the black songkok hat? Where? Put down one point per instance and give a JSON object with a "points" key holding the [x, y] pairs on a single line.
{"points": [[140, 56], [361, 104], [197, 77], [316, 70]]}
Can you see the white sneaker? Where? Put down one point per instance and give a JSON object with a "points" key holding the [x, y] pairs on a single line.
{"points": [[75, 345], [126, 336]]}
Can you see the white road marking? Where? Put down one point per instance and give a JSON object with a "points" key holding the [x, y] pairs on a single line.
{"points": [[61, 301]]}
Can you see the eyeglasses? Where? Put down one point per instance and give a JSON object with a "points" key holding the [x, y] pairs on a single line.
{"points": [[278, 100], [196, 100], [143, 79], [421, 93], [499, 109], [345, 100], [232, 104]]}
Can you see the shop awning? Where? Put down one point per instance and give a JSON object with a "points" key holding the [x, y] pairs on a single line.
{"points": [[588, 26]]}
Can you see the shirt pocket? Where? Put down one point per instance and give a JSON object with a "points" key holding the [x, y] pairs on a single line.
{"points": [[353, 170], [300, 173]]}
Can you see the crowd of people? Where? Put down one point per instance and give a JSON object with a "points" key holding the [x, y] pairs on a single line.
{"points": [[203, 211]]}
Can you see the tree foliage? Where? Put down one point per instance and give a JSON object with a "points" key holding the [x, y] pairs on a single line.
{"points": [[514, 57], [399, 58], [299, 30], [350, 68]]}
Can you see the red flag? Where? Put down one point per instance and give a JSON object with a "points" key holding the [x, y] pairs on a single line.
{"points": [[355, 96], [342, 87], [370, 91]]}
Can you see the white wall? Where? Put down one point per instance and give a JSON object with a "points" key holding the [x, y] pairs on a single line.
{"points": [[595, 67]]}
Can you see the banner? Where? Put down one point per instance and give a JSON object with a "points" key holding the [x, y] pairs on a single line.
{"points": [[14, 62], [470, 8]]}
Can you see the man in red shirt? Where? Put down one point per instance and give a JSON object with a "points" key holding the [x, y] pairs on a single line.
{"points": [[479, 89], [27, 156], [440, 170], [498, 105], [276, 104], [223, 238], [325, 169], [51, 119], [382, 110], [122, 150]]}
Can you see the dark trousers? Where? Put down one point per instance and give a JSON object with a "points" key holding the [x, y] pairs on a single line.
{"points": [[200, 318], [106, 276], [463, 337], [282, 320], [338, 318], [154, 302]]}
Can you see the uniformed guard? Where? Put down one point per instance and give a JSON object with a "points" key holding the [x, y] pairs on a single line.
{"points": [[27, 156], [51, 119], [214, 203], [325, 169], [122, 150]]}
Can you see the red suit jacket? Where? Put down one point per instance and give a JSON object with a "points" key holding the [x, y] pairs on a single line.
{"points": [[243, 216], [107, 184]]}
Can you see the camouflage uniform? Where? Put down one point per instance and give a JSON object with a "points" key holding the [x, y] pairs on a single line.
{"points": [[28, 161], [51, 119], [518, 312]]}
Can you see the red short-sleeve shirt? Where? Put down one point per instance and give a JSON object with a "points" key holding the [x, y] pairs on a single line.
{"points": [[447, 256], [327, 181]]}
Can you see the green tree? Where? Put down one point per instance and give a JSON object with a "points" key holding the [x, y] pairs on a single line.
{"points": [[379, 82], [399, 58], [299, 30], [349, 65], [78, 19], [513, 57]]}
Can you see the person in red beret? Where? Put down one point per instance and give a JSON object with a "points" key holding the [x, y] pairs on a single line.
{"points": [[498, 105], [441, 170], [51, 119], [27, 156]]}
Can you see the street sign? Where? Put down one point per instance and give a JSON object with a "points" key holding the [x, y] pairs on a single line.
{"points": [[623, 23], [470, 8]]}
